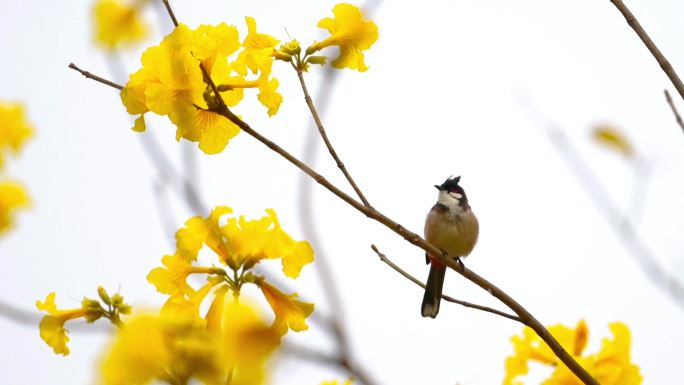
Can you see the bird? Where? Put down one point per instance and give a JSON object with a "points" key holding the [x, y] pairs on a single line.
{"points": [[452, 227]]}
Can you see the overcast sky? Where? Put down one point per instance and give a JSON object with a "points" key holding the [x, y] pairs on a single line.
{"points": [[454, 87]]}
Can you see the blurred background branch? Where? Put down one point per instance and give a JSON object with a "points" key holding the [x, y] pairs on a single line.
{"points": [[655, 51], [621, 223]]}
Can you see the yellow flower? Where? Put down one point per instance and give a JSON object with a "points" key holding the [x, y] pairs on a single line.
{"points": [[187, 305], [118, 24], [171, 278], [249, 341], [14, 129], [12, 197], [178, 349], [289, 312], [239, 244], [610, 366], [52, 329], [614, 139], [171, 82], [351, 33], [258, 52]]}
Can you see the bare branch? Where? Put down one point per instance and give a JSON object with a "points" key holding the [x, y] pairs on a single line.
{"points": [[664, 64], [678, 117], [340, 361], [96, 78], [171, 14], [623, 227], [447, 298], [324, 136]]}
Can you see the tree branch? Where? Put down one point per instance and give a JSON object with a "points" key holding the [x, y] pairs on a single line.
{"points": [[171, 14], [321, 130], [664, 64], [678, 117], [96, 78], [413, 238], [447, 298], [339, 361]]}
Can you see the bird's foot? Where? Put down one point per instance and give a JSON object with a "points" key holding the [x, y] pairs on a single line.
{"points": [[460, 262]]}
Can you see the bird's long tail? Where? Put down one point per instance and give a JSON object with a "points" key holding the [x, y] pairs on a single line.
{"points": [[433, 290]]}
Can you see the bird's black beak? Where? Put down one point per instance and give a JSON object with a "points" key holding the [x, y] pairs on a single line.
{"points": [[440, 188]]}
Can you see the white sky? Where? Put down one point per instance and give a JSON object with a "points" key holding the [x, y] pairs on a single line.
{"points": [[461, 87]]}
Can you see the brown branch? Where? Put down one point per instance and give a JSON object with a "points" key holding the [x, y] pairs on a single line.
{"points": [[411, 237], [664, 64], [96, 78], [171, 14], [324, 136], [416, 240], [447, 298], [678, 117]]}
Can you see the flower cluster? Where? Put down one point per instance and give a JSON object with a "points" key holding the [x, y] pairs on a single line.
{"points": [[171, 81], [230, 346], [52, 329], [239, 244], [229, 342], [14, 131], [351, 33], [117, 24], [189, 74], [610, 366]]}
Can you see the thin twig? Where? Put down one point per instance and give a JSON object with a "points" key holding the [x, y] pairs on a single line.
{"points": [[182, 183], [324, 136], [447, 298], [413, 238], [339, 361], [327, 278], [156, 154], [678, 117], [96, 78], [623, 227], [171, 14], [664, 64]]}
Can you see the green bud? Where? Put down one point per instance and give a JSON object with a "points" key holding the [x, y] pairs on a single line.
{"points": [[117, 300], [103, 295], [316, 60], [279, 55], [249, 264], [313, 48], [91, 317], [249, 277], [231, 263], [291, 48], [125, 308]]}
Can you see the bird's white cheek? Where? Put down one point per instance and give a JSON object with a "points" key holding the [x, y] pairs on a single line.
{"points": [[456, 195]]}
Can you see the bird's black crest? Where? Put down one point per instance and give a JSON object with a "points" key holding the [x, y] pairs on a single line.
{"points": [[451, 184]]}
